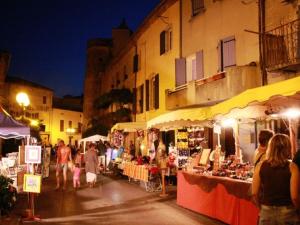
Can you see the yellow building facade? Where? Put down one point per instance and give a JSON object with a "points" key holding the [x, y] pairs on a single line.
{"points": [[40, 106], [65, 125], [198, 53]]}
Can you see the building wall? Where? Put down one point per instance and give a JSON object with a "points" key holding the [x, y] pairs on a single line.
{"points": [[36, 102], [219, 21], [4, 64], [66, 115], [152, 63], [279, 13]]}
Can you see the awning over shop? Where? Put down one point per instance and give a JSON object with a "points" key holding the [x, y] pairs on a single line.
{"points": [[179, 118], [10, 128], [130, 126], [251, 97], [256, 95]]}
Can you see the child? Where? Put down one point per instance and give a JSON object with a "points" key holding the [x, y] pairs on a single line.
{"points": [[76, 176]]}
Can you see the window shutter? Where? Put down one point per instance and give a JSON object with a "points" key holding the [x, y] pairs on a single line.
{"points": [[162, 42], [229, 52], [147, 96], [199, 65], [135, 63], [194, 71], [134, 101], [142, 98], [180, 71], [220, 57], [156, 94]]}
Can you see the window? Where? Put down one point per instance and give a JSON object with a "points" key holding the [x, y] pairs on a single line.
{"points": [[62, 124], [226, 53], [125, 73], [44, 99], [79, 127], [118, 82], [135, 63], [194, 67], [70, 124], [154, 92], [197, 7], [165, 41], [43, 127]]}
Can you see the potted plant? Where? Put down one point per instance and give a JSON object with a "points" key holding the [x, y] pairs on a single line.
{"points": [[8, 195]]}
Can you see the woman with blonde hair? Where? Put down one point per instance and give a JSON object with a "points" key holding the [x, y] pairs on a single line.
{"points": [[275, 184]]}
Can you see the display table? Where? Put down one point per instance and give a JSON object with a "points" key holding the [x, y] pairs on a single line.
{"points": [[138, 172], [221, 198]]}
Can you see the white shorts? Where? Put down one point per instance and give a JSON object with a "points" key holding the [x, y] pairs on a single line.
{"points": [[91, 177]]}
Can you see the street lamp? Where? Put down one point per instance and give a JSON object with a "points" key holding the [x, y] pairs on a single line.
{"points": [[70, 132], [23, 101]]}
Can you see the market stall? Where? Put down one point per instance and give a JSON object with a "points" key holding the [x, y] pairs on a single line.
{"points": [[10, 165], [222, 188], [222, 198], [93, 138]]}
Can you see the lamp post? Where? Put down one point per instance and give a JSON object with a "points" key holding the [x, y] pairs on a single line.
{"points": [[23, 100], [70, 133]]}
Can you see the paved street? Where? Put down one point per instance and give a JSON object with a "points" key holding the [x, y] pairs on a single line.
{"points": [[110, 202]]}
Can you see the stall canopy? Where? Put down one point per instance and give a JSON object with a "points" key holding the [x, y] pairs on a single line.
{"points": [[10, 128], [251, 97], [93, 138], [130, 126]]}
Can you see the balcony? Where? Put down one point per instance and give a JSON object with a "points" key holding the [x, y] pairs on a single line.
{"points": [[282, 48], [214, 89]]}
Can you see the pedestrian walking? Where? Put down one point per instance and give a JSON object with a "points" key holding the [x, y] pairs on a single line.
{"points": [[76, 176], [91, 164], [62, 159]]}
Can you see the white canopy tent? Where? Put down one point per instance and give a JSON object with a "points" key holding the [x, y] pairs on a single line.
{"points": [[93, 138]]}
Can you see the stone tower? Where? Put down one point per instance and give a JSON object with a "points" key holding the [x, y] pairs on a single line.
{"points": [[4, 65], [98, 55], [120, 37]]}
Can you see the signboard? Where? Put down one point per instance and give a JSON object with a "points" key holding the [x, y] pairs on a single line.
{"points": [[33, 154], [204, 156], [32, 183]]}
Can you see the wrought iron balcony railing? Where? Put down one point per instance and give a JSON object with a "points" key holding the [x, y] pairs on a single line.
{"points": [[282, 47]]}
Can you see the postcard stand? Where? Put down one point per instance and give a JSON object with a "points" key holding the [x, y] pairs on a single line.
{"points": [[32, 182]]}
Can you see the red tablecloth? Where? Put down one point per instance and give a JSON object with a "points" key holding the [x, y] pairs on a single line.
{"points": [[216, 202]]}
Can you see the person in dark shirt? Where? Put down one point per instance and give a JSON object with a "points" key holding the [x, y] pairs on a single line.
{"points": [[276, 183]]}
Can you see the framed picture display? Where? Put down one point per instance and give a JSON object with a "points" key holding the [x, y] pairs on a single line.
{"points": [[33, 154], [32, 183], [204, 156]]}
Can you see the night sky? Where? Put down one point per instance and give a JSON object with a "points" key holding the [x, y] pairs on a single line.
{"points": [[47, 38]]}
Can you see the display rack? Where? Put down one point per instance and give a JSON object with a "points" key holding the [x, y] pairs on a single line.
{"points": [[183, 151]]}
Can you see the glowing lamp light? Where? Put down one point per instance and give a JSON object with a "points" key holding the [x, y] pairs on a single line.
{"points": [[292, 113], [142, 146], [228, 122], [34, 123], [22, 99], [70, 130]]}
